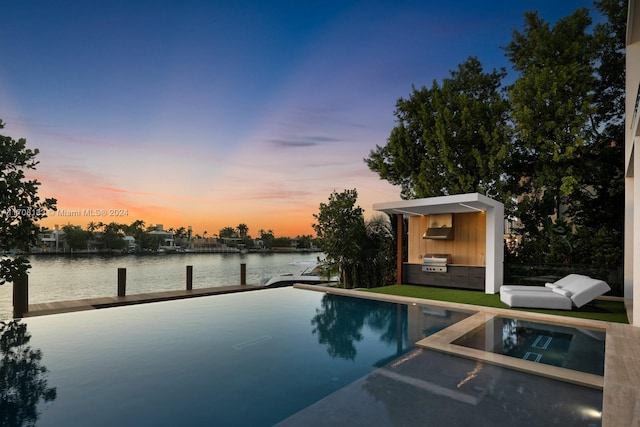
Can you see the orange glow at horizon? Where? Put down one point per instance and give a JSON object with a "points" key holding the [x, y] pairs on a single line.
{"points": [[260, 190], [78, 214], [286, 218]]}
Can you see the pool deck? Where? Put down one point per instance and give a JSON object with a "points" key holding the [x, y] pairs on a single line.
{"points": [[57, 307], [620, 384]]}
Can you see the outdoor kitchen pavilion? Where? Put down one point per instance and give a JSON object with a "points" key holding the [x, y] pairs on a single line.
{"points": [[466, 230]]}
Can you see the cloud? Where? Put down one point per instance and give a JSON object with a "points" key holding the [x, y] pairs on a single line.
{"points": [[120, 190], [292, 144], [280, 194], [310, 141]]}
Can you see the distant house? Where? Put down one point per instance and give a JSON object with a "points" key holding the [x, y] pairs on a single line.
{"points": [[131, 243], [201, 244], [51, 240], [167, 242]]}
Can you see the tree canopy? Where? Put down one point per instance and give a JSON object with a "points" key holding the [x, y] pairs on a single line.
{"points": [[451, 138], [567, 111], [551, 107], [20, 205]]}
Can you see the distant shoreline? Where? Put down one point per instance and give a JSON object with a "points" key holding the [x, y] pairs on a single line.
{"points": [[176, 252]]}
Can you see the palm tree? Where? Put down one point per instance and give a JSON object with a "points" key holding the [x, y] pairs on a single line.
{"points": [[180, 232], [136, 229], [379, 251], [243, 230]]}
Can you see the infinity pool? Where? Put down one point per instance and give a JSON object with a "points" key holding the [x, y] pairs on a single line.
{"points": [[287, 356]]}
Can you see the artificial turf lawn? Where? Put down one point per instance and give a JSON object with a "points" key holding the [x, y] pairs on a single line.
{"points": [[608, 311]]}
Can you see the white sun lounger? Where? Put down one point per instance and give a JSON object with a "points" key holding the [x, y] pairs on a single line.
{"points": [[572, 290]]}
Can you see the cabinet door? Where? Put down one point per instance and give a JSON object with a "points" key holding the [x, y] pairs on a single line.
{"points": [[459, 277], [442, 279], [429, 278], [477, 278], [412, 274]]}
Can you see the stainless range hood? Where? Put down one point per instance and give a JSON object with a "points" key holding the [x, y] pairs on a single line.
{"points": [[440, 227]]}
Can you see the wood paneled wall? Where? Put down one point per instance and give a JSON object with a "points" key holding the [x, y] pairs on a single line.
{"points": [[466, 248]]}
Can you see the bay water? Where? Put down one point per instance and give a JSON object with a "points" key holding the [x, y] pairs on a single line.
{"points": [[65, 277]]}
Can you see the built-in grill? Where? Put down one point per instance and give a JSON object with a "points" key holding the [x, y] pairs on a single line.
{"points": [[435, 263]]}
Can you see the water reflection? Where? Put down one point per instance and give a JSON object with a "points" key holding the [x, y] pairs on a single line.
{"points": [[511, 336], [340, 321], [556, 345], [436, 389], [23, 380]]}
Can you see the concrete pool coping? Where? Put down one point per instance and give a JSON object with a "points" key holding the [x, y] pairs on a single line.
{"points": [[620, 384]]}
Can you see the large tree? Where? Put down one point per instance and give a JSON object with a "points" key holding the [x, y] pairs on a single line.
{"points": [[20, 206], [600, 199], [451, 138], [551, 108], [568, 111], [597, 208]]}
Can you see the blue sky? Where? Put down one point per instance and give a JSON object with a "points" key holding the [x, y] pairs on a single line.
{"points": [[211, 113]]}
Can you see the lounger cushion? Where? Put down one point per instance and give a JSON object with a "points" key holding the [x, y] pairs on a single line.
{"points": [[534, 298], [569, 279], [585, 290], [576, 289]]}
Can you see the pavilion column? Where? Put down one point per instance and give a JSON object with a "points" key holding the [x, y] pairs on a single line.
{"points": [[400, 227]]}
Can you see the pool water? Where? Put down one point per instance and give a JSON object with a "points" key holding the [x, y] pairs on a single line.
{"points": [[244, 359], [566, 347], [277, 356]]}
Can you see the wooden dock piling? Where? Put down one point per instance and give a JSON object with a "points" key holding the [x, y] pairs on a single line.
{"points": [[122, 282], [20, 296], [189, 277]]}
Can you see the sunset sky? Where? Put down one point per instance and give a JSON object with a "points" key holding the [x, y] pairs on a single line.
{"points": [[216, 113]]}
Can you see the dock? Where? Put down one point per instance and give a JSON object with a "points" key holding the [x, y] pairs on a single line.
{"points": [[56, 307]]}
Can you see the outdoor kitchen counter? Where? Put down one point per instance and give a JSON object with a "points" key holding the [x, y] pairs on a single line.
{"points": [[457, 276]]}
